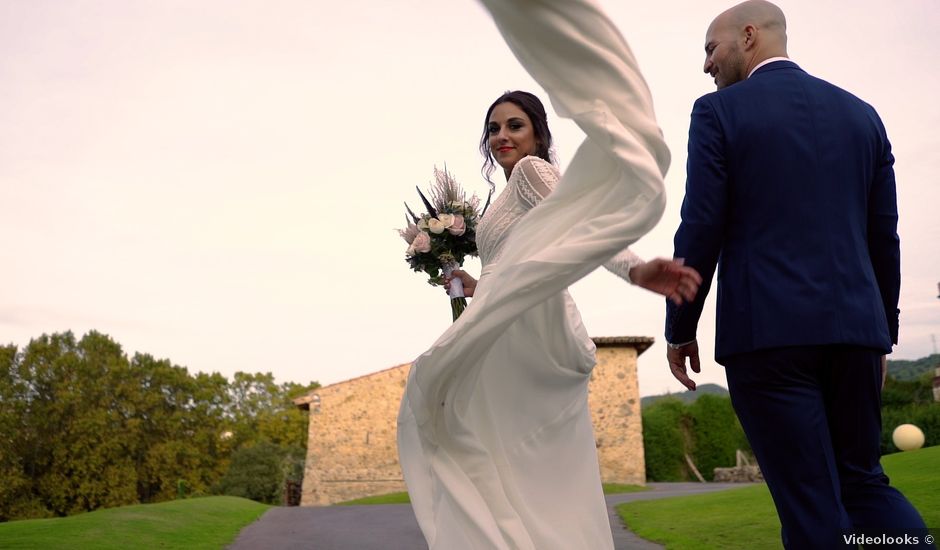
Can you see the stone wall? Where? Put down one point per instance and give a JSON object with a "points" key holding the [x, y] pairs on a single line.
{"points": [[351, 450], [614, 398]]}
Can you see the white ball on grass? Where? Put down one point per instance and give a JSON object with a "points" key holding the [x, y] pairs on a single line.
{"points": [[908, 437]]}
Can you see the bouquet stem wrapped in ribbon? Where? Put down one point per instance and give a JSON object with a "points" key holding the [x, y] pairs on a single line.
{"points": [[440, 239], [458, 300]]}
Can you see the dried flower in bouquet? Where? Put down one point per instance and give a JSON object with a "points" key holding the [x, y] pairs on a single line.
{"points": [[440, 239]]}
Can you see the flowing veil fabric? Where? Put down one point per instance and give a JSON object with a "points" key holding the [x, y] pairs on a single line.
{"points": [[610, 196]]}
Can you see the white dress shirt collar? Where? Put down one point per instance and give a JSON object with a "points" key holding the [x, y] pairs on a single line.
{"points": [[765, 62]]}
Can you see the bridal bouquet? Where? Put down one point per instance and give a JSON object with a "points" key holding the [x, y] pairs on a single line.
{"points": [[439, 239]]}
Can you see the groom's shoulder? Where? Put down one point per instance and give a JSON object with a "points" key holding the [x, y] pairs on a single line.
{"points": [[772, 80], [715, 101]]}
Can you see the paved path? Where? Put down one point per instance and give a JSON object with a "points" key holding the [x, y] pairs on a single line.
{"points": [[393, 526]]}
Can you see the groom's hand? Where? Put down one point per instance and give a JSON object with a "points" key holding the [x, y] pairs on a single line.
{"points": [[676, 358]]}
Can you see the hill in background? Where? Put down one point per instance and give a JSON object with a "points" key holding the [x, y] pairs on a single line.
{"points": [[686, 396], [913, 370], [901, 369]]}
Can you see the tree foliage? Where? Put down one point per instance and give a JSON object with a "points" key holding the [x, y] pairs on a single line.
{"points": [[82, 426], [909, 402], [717, 434], [706, 429], [255, 473], [903, 369], [666, 439]]}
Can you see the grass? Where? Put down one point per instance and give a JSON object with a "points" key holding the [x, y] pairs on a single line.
{"points": [[618, 488], [391, 498], [192, 524], [402, 498], [745, 518], [740, 518]]}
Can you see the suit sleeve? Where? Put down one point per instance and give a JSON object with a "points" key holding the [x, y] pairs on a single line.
{"points": [[704, 210], [884, 246]]}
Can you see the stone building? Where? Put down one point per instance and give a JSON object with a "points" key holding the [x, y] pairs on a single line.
{"points": [[351, 448]]}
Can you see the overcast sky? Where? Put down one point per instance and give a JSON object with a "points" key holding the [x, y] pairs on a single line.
{"points": [[216, 182]]}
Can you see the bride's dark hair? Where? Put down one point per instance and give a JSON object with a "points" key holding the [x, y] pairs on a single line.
{"points": [[532, 107]]}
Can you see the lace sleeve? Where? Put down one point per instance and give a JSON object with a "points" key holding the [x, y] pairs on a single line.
{"points": [[535, 180], [620, 264]]}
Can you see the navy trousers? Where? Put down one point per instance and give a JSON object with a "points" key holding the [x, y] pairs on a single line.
{"points": [[812, 415]]}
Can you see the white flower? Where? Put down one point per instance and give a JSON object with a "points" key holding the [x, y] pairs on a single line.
{"points": [[423, 224], [446, 219], [437, 226]]}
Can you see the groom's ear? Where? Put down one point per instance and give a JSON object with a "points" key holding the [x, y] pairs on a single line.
{"points": [[749, 36]]}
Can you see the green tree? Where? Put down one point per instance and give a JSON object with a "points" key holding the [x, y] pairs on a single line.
{"points": [[83, 427], [902, 369], [180, 423], [909, 402], [666, 439], [74, 442], [260, 409], [717, 434], [256, 472], [899, 393], [17, 498], [263, 412], [707, 430]]}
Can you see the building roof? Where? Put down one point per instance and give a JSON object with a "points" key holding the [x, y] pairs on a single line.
{"points": [[641, 343], [303, 402]]}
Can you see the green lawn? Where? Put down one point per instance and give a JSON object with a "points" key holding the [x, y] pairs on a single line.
{"points": [[210, 523], [745, 518], [391, 498], [402, 498], [618, 488], [741, 518]]}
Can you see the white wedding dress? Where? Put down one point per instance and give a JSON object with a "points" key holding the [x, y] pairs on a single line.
{"points": [[494, 432]]}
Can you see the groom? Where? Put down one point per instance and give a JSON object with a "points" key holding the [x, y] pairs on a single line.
{"points": [[791, 192]]}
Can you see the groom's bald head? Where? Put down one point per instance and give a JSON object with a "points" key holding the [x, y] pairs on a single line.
{"points": [[743, 36], [760, 14]]}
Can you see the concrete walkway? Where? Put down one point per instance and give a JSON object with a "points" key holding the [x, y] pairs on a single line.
{"points": [[393, 526]]}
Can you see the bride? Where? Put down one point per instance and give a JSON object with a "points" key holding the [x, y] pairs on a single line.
{"points": [[494, 431]]}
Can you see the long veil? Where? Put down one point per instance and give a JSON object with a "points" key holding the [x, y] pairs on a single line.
{"points": [[611, 195]]}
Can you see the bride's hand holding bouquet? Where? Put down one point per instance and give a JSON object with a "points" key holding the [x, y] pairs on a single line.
{"points": [[440, 239]]}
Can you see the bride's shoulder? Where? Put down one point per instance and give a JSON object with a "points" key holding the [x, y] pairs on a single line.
{"points": [[533, 179], [532, 167]]}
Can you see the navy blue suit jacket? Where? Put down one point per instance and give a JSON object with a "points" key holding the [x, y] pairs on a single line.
{"points": [[791, 193]]}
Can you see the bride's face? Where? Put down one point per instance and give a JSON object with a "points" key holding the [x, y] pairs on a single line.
{"points": [[511, 135]]}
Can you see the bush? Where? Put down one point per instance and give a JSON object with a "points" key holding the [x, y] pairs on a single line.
{"points": [[909, 402], [666, 439], [707, 430], [717, 434], [255, 473], [898, 393], [925, 416]]}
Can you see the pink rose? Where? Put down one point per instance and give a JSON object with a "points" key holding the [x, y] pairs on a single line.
{"points": [[459, 225], [422, 243]]}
